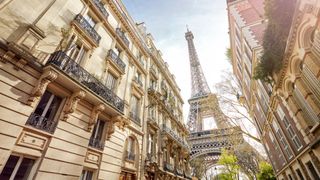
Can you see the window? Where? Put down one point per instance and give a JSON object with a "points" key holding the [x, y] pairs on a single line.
{"points": [[312, 170], [135, 109], [299, 174], [151, 143], [277, 148], [282, 139], [17, 168], [43, 116], [111, 82], [131, 149], [96, 139], [289, 175], [78, 52], [86, 175], [293, 136]]}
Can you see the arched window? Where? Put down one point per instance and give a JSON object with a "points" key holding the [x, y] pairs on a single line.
{"points": [[131, 144]]}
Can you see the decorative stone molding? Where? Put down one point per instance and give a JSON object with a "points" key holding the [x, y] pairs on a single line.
{"points": [[94, 115], [72, 103], [121, 122], [8, 56], [110, 129], [48, 76]]}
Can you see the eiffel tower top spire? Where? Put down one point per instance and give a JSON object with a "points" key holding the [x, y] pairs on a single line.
{"points": [[199, 85]]}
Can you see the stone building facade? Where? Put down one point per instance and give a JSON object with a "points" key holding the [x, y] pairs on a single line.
{"points": [[85, 94], [287, 113]]}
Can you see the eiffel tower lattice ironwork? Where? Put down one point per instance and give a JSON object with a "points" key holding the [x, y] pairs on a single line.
{"points": [[204, 104]]}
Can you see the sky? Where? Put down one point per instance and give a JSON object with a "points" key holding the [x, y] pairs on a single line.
{"points": [[167, 21]]}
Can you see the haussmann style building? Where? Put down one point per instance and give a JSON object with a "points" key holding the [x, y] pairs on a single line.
{"points": [[287, 113], [85, 94]]}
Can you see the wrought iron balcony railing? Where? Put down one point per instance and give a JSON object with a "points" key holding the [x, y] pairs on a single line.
{"points": [[135, 117], [130, 156], [96, 143], [84, 24], [116, 59], [122, 36], [40, 122], [101, 8], [168, 167], [138, 81], [60, 60], [175, 136]]}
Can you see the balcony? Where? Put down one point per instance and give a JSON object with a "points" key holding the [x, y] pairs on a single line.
{"points": [[84, 24], [116, 59], [130, 156], [121, 34], [174, 136], [99, 5], [135, 117], [40, 122], [138, 81], [96, 143], [64, 63], [168, 167]]}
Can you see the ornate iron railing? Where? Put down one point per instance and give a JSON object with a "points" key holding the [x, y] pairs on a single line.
{"points": [[135, 117], [130, 156], [75, 71], [42, 123], [101, 8], [168, 167], [122, 36], [96, 143], [84, 24], [115, 58], [138, 81], [175, 136]]}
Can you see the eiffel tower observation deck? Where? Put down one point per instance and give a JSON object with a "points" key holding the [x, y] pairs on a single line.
{"points": [[204, 105]]}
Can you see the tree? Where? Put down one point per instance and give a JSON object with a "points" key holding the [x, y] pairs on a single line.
{"points": [[231, 168], [231, 102], [266, 172], [199, 167], [248, 160], [279, 14]]}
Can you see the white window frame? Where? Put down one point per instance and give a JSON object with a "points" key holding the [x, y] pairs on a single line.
{"points": [[17, 166]]}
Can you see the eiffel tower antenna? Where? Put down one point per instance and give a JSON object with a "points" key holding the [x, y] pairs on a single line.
{"points": [[198, 82]]}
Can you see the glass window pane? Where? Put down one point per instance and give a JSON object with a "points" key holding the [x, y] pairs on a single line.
{"points": [[24, 169], [53, 108], [9, 167], [43, 102], [89, 175]]}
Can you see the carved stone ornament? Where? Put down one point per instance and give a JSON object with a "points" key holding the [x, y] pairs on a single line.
{"points": [[110, 129], [121, 122], [48, 76], [72, 103], [94, 115]]}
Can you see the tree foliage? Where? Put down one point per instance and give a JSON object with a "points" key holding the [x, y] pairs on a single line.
{"points": [[279, 14], [231, 167], [228, 54], [199, 167], [266, 172]]}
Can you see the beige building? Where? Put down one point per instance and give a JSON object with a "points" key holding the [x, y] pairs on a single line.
{"points": [[287, 113], [85, 94]]}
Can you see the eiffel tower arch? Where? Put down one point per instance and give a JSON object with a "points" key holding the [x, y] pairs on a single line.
{"points": [[204, 105]]}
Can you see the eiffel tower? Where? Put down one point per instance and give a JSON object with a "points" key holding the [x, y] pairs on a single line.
{"points": [[205, 105]]}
